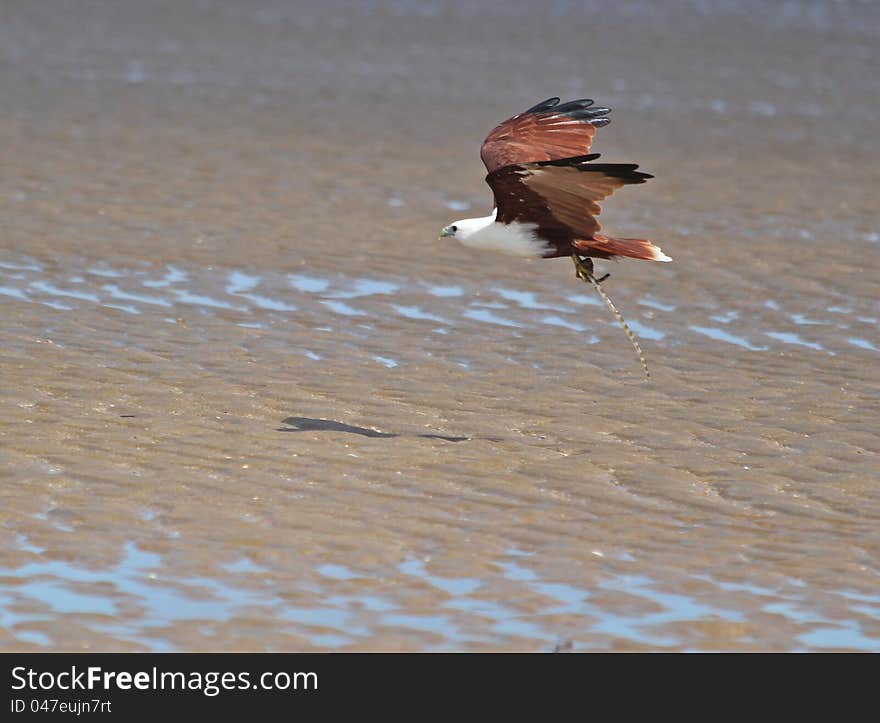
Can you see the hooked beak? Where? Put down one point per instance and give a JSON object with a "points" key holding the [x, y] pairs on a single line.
{"points": [[444, 232]]}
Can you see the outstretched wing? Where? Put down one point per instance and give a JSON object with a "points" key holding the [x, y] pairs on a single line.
{"points": [[545, 132], [561, 198]]}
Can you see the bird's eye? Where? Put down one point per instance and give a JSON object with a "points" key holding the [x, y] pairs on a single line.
{"points": [[453, 228]]}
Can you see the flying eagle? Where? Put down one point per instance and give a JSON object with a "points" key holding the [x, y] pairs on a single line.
{"points": [[547, 192]]}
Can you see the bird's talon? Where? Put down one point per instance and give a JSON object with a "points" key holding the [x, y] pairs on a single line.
{"points": [[583, 267]]}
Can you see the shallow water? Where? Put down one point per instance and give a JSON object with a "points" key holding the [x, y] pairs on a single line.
{"points": [[251, 403]]}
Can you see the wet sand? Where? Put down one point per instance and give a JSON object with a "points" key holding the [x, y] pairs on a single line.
{"points": [[251, 403]]}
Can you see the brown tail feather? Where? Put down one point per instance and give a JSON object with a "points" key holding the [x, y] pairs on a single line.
{"points": [[606, 246]]}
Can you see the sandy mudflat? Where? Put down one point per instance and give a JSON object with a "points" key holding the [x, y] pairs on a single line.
{"points": [[250, 402]]}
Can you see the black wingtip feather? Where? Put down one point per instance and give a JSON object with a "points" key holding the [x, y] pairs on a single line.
{"points": [[625, 171], [578, 109], [575, 161], [544, 105], [582, 110], [574, 105], [589, 115]]}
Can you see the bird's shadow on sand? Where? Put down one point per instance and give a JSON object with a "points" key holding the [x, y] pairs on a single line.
{"points": [[308, 424]]}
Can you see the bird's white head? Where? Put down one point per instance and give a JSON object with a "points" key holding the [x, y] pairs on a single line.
{"points": [[466, 227]]}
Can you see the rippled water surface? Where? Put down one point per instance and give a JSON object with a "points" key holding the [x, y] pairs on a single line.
{"points": [[251, 403]]}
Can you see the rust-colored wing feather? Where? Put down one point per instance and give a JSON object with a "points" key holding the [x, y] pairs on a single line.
{"points": [[545, 132], [573, 188], [561, 198]]}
